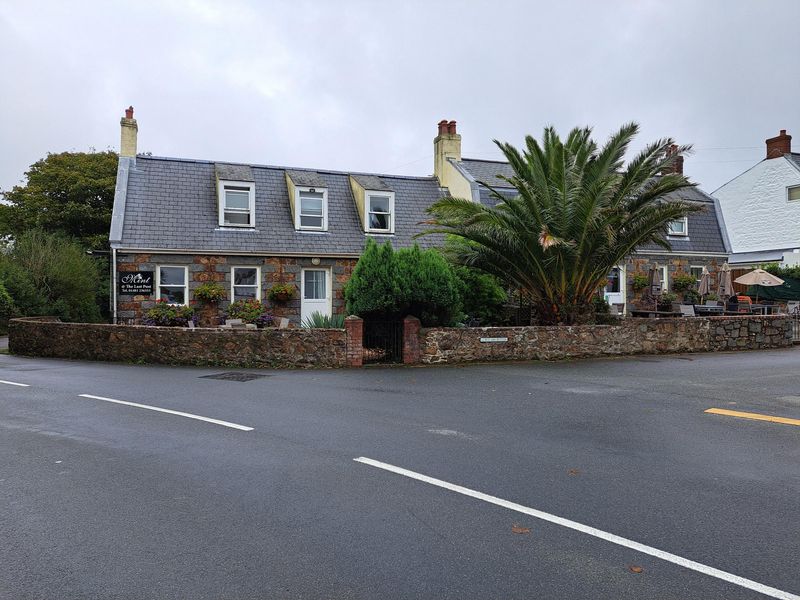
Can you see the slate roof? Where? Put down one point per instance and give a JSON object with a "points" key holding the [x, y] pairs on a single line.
{"points": [[794, 158], [171, 204], [705, 234]]}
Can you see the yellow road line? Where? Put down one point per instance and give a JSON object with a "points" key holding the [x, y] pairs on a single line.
{"points": [[753, 416]]}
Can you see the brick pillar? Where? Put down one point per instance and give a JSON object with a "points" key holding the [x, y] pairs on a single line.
{"points": [[354, 331], [411, 340]]}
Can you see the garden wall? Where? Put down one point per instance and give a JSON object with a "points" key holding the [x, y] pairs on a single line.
{"points": [[630, 336], [269, 347]]}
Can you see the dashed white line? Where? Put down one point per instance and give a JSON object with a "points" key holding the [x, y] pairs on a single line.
{"points": [[171, 412], [14, 383], [598, 533]]}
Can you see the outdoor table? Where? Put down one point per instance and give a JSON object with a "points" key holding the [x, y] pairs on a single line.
{"points": [[655, 314], [763, 309], [709, 310]]}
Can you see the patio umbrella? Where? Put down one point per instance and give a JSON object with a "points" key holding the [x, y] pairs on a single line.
{"points": [[759, 277], [655, 283], [704, 287], [725, 284]]}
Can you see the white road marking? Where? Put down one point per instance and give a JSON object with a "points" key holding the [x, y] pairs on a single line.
{"points": [[171, 412], [598, 533], [13, 383]]}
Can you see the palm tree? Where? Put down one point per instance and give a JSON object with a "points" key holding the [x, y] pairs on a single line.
{"points": [[578, 212]]}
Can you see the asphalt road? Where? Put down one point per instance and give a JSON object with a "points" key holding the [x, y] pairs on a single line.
{"points": [[108, 500]]}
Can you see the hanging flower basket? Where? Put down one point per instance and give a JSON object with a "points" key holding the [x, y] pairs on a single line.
{"points": [[283, 292]]}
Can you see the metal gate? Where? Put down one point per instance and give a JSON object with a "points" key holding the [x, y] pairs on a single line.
{"points": [[795, 315], [383, 342]]}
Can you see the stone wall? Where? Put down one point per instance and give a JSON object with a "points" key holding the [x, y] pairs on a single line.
{"points": [[261, 348], [630, 336], [206, 267]]}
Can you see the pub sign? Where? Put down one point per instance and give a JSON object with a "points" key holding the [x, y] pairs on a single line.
{"points": [[136, 283]]}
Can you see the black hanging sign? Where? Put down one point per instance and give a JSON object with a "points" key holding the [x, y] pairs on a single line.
{"points": [[136, 283]]}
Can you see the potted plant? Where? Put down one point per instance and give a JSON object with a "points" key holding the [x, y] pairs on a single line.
{"points": [[210, 294], [639, 281], [281, 292], [666, 300], [165, 314]]}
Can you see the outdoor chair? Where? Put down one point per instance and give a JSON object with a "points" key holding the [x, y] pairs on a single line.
{"points": [[793, 307], [745, 304], [687, 310]]}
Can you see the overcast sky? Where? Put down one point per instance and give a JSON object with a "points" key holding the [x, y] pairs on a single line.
{"points": [[360, 85]]}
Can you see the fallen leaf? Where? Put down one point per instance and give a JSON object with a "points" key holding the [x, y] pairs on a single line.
{"points": [[635, 569], [519, 529], [573, 471]]}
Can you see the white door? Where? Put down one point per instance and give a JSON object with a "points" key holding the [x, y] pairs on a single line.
{"points": [[316, 293], [614, 292]]}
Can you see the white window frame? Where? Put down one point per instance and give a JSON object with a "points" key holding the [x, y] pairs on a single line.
{"points": [[685, 231], [367, 197], [665, 279], [697, 267], [789, 191], [257, 284], [251, 187], [185, 283], [297, 191]]}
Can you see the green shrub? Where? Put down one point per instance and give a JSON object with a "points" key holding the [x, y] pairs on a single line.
{"points": [[49, 274], [682, 282], [692, 296], [210, 291], [281, 292], [782, 272], [428, 288], [373, 290], [319, 321], [165, 314], [249, 311], [7, 308], [668, 298], [482, 296]]}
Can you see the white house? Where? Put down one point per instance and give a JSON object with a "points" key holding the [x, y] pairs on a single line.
{"points": [[761, 207]]}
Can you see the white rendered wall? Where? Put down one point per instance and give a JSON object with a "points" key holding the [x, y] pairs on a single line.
{"points": [[755, 206]]}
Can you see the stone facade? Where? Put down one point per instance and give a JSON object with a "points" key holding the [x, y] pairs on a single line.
{"points": [[630, 336], [205, 267], [261, 348]]}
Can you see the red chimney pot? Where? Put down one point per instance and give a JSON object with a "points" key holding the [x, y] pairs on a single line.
{"points": [[451, 127], [129, 112], [442, 126]]}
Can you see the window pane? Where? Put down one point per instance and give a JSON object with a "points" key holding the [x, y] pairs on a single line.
{"points": [[237, 200], [172, 276], [311, 222], [311, 206], [244, 277], [173, 295], [794, 193], [237, 218], [318, 195], [612, 287], [379, 204], [676, 227], [244, 293], [314, 288], [378, 221]]}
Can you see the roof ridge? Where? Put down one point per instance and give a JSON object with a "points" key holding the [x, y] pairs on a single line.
{"points": [[491, 160], [283, 168]]}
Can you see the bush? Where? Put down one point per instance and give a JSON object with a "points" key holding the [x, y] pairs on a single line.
{"points": [[7, 308], [319, 321], [373, 290], [210, 291], [782, 272], [49, 274], [165, 314], [482, 296], [281, 292], [692, 296], [428, 288], [668, 298], [682, 282], [249, 311]]}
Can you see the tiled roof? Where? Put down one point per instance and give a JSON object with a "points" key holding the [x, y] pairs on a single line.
{"points": [[704, 230], [172, 204], [794, 158]]}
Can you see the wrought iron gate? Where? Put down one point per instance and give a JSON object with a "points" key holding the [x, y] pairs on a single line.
{"points": [[383, 342]]}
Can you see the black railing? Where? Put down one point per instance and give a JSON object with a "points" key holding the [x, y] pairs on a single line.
{"points": [[383, 341]]}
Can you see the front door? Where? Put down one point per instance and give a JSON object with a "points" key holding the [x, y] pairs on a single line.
{"points": [[316, 296], [614, 292]]}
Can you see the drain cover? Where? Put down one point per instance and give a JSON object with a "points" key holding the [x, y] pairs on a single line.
{"points": [[234, 376]]}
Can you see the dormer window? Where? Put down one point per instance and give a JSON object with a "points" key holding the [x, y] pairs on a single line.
{"points": [[380, 212], [311, 209], [237, 204], [678, 227]]}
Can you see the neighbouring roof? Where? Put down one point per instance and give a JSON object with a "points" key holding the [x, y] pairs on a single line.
{"points": [[171, 204], [705, 232], [794, 158], [760, 257]]}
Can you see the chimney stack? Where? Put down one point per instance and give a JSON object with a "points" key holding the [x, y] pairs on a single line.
{"points": [[677, 164], [130, 130], [779, 145], [447, 144]]}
